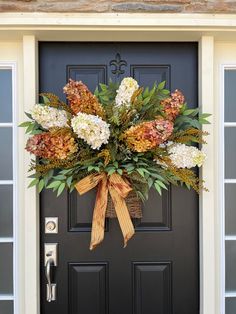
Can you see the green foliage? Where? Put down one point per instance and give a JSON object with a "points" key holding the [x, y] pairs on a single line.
{"points": [[140, 169]]}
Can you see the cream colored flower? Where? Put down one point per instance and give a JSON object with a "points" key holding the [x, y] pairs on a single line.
{"points": [[183, 156], [92, 129], [49, 117], [125, 91]]}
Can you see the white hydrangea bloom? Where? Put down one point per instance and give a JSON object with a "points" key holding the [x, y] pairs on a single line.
{"points": [[92, 129], [183, 156], [125, 91], [49, 117]]}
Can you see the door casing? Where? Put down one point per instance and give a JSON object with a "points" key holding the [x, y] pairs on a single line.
{"points": [[208, 296]]}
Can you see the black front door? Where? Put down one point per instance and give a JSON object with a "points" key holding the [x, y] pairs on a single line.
{"points": [[158, 272]]}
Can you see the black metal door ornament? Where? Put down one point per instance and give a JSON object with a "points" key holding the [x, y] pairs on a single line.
{"points": [[118, 63]]}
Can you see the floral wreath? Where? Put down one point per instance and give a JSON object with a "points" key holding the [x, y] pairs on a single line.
{"points": [[123, 139]]}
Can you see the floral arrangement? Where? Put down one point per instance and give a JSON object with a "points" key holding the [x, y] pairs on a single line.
{"points": [[121, 138]]}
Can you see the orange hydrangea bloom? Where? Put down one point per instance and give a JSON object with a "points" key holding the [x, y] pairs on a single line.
{"points": [[82, 100], [173, 104], [148, 135], [52, 145]]}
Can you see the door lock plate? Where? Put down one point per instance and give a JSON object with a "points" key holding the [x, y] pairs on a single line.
{"points": [[51, 224], [50, 252]]}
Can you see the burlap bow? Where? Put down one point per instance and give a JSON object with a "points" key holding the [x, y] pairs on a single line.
{"points": [[118, 189]]}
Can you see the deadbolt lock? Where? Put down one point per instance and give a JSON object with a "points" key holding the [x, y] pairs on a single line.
{"points": [[51, 224]]}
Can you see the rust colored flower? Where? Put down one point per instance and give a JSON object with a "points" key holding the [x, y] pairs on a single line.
{"points": [[82, 100], [52, 145], [148, 135], [173, 104]]}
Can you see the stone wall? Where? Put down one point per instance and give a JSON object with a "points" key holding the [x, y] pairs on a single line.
{"points": [[155, 6]]}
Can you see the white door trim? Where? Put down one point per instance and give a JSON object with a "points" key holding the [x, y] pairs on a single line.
{"points": [[208, 289], [32, 221]]}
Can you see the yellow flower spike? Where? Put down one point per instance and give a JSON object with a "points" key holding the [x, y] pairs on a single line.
{"points": [[106, 155]]}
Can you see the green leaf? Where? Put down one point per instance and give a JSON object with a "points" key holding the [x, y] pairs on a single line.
{"points": [[161, 184], [33, 182], [111, 171], [25, 124], [203, 121], [146, 101], [188, 112], [157, 187], [30, 128], [96, 92], [72, 188], [146, 92], [69, 180], [28, 115], [140, 171], [41, 185], [61, 188], [188, 186], [130, 168], [196, 124], [150, 182], [152, 91], [115, 163], [205, 115], [141, 196], [120, 171], [165, 92], [54, 184], [161, 85], [36, 132], [59, 177], [45, 99], [66, 171], [103, 87], [90, 168]]}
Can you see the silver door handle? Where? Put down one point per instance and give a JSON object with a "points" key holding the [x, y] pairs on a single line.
{"points": [[48, 277], [51, 287], [50, 260]]}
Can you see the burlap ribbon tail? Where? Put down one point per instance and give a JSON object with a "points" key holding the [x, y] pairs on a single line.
{"points": [[118, 189]]}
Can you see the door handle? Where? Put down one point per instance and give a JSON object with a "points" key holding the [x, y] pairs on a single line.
{"points": [[50, 251], [51, 287]]}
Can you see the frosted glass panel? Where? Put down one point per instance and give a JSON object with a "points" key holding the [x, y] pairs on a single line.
{"points": [[5, 154], [230, 265], [230, 209], [5, 95], [230, 99], [6, 307], [6, 268], [230, 306], [6, 210], [230, 153]]}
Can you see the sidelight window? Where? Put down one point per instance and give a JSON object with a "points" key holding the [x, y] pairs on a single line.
{"points": [[230, 188], [7, 188]]}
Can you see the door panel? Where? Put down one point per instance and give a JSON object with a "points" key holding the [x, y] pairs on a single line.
{"points": [[158, 271]]}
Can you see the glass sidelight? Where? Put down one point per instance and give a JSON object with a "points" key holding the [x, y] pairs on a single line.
{"points": [[230, 188], [7, 187]]}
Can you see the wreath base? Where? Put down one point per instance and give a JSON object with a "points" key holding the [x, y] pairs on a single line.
{"points": [[133, 204]]}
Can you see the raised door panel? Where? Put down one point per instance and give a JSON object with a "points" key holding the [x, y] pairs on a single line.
{"points": [[80, 211], [152, 288], [91, 75], [146, 75], [88, 288], [156, 213]]}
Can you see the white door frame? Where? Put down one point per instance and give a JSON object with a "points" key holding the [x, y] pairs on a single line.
{"points": [[123, 27]]}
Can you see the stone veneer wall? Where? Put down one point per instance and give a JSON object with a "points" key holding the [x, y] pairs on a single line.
{"points": [[155, 6]]}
